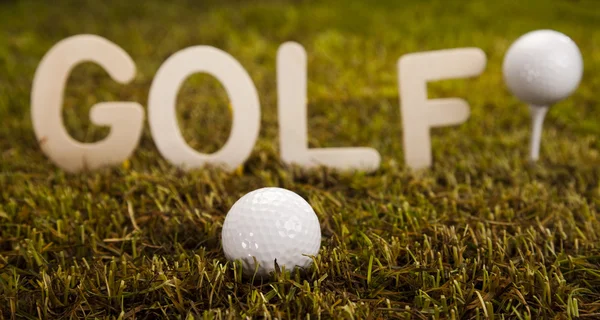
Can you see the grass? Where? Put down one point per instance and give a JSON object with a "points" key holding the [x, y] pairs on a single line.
{"points": [[482, 235]]}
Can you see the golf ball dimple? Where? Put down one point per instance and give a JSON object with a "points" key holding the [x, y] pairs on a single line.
{"points": [[271, 224], [543, 67]]}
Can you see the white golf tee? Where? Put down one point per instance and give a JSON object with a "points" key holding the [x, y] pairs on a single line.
{"points": [[538, 113]]}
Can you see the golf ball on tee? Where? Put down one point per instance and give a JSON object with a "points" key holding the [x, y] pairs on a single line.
{"points": [[271, 224], [543, 67]]}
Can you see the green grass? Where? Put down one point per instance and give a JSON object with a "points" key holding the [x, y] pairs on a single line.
{"points": [[480, 235]]}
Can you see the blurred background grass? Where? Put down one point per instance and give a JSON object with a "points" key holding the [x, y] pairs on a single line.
{"points": [[353, 48]]}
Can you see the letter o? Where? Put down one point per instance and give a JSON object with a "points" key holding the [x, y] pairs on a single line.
{"points": [[243, 97]]}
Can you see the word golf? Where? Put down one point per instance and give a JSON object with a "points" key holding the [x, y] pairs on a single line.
{"points": [[419, 114]]}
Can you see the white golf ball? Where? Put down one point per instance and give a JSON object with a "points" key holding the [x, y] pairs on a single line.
{"points": [[271, 224], [543, 67]]}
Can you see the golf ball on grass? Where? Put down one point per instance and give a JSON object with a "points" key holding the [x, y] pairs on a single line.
{"points": [[271, 224]]}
